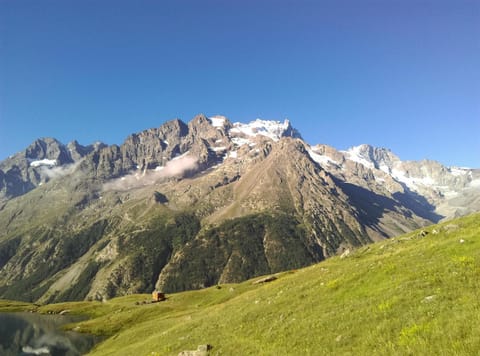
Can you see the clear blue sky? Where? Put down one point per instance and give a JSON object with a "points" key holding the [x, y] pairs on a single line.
{"points": [[401, 74]]}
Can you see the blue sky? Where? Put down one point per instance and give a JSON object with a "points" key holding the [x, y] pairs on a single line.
{"points": [[401, 74]]}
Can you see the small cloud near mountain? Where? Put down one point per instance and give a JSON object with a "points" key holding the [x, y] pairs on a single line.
{"points": [[177, 167]]}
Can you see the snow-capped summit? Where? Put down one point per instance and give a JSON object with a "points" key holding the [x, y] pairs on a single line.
{"points": [[268, 128]]}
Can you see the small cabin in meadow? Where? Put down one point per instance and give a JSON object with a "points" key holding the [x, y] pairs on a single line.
{"points": [[158, 296]]}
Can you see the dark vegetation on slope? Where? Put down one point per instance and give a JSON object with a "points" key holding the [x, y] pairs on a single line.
{"points": [[240, 249]]}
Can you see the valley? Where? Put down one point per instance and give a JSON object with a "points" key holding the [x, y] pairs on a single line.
{"points": [[412, 294]]}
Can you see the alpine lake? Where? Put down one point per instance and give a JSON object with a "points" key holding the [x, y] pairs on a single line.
{"points": [[25, 333]]}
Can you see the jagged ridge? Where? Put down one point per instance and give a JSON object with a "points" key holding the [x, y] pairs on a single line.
{"points": [[190, 205]]}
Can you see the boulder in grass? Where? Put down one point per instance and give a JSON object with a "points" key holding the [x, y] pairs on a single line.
{"points": [[265, 280], [202, 350]]}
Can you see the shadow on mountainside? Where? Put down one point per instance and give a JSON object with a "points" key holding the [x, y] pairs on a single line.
{"points": [[418, 204], [372, 206]]}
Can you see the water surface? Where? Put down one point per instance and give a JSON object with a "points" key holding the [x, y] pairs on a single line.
{"points": [[29, 334]]}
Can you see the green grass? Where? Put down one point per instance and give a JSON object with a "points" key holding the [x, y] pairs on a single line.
{"points": [[409, 295], [15, 306]]}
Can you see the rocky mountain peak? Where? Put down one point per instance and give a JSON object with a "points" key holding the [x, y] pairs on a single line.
{"points": [[78, 151], [48, 149], [42, 160], [202, 127], [173, 128], [372, 157], [290, 131]]}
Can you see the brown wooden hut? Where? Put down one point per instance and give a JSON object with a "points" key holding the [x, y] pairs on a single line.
{"points": [[158, 296]]}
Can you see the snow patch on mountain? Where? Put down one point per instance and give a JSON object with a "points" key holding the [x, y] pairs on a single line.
{"points": [[218, 121], [239, 141], [475, 183], [180, 156], [385, 168], [44, 162], [218, 149], [412, 183], [268, 128], [320, 159], [456, 171], [356, 154]]}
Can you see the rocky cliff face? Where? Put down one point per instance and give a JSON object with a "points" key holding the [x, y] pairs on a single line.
{"points": [[186, 206], [43, 160]]}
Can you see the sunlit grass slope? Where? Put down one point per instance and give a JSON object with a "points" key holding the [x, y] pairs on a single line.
{"points": [[411, 295]]}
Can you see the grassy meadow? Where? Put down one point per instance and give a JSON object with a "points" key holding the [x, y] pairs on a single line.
{"points": [[409, 295]]}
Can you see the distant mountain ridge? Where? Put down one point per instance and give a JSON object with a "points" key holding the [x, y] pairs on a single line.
{"points": [[153, 148], [188, 205]]}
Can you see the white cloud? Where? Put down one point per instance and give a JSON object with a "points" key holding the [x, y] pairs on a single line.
{"points": [[57, 171], [175, 168]]}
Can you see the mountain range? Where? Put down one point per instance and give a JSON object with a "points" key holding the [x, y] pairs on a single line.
{"points": [[186, 206]]}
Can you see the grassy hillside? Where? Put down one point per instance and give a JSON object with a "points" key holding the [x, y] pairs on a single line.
{"points": [[411, 295]]}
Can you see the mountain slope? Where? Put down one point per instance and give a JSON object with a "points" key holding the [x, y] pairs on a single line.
{"points": [[187, 206], [413, 294]]}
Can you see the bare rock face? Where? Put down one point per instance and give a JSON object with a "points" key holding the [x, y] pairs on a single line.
{"points": [[77, 151], [201, 128], [154, 147], [203, 137], [107, 162]]}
